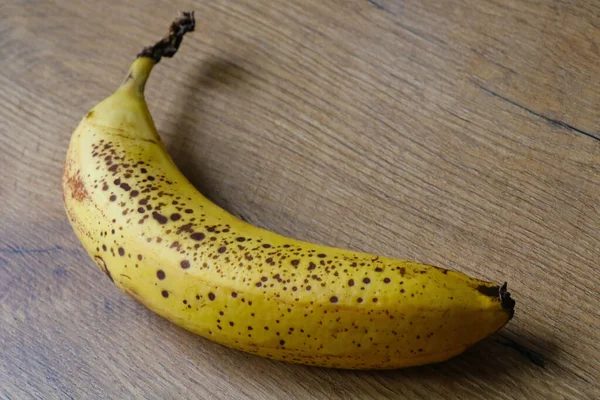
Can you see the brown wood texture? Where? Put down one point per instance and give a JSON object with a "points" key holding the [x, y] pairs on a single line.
{"points": [[461, 133]]}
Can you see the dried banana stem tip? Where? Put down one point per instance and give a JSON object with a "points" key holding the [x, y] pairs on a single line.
{"points": [[168, 45]]}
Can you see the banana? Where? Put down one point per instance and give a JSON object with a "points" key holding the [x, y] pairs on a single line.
{"points": [[160, 240]]}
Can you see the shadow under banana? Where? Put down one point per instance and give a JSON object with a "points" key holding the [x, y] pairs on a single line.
{"points": [[191, 109]]}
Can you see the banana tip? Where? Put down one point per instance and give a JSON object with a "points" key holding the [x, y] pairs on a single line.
{"points": [[508, 304]]}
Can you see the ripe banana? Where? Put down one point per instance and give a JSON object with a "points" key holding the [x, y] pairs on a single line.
{"points": [[165, 244]]}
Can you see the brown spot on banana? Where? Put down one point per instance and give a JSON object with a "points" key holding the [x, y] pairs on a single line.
{"points": [[102, 264], [72, 181]]}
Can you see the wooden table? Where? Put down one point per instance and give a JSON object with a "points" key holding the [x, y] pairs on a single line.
{"points": [[462, 133]]}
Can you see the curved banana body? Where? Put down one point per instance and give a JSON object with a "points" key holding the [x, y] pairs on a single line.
{"points": [[161, 241]]}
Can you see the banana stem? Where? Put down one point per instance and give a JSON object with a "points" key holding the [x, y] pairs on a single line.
{"points": [[151, 55], [168, 45]]}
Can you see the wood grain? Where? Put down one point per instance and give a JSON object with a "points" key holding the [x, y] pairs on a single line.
{"points": [[463, 134]]}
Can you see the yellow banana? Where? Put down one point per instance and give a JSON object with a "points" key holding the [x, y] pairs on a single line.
{"points": [[164, 243]]}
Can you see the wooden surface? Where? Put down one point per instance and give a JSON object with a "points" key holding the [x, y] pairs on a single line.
{"points": [[459, 133]]}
